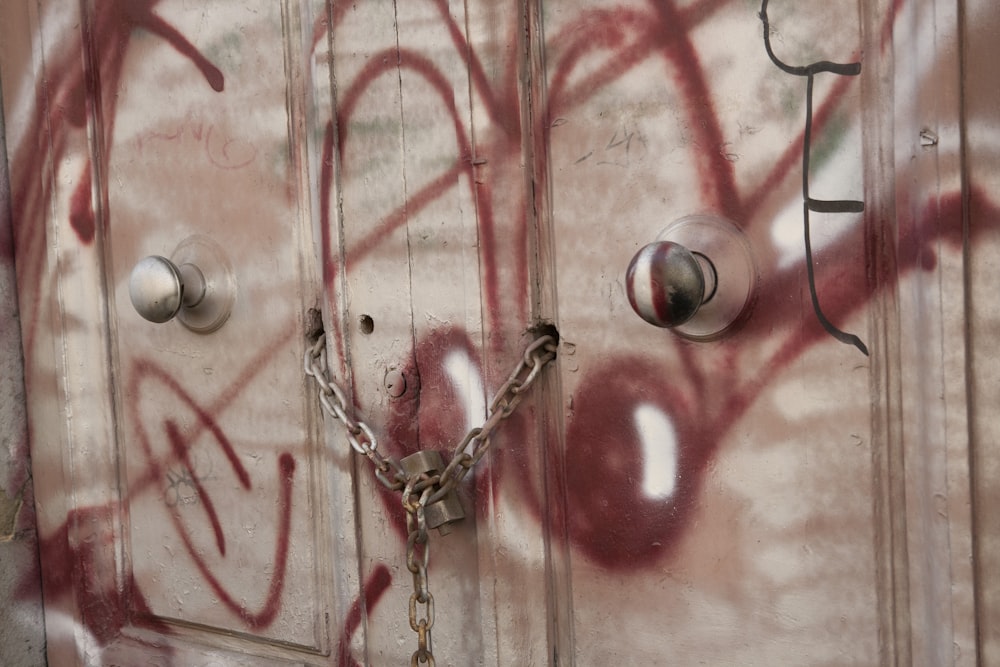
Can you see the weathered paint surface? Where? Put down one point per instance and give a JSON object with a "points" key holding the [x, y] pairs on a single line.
{"points": [[437, 178]]}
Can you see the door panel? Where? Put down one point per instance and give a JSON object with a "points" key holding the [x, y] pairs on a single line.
{"points": [[431, 284], [217, 467], [201, 495], [723, 493]]}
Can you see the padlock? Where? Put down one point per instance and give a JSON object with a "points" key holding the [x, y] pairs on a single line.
{"points": [[442, 512]]}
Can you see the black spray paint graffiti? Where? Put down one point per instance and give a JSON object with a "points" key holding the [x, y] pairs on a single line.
{"points": [[808, 203]]}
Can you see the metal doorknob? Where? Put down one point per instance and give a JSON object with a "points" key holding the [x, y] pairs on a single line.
{"points": [[159, 288], [196, 285], [698, 278], [667, 283]]}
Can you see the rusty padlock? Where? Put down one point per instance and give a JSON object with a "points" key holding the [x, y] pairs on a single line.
{"points": [[445, 511]]}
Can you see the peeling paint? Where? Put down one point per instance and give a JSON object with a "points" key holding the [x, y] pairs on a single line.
{"points": [[9, 509]]}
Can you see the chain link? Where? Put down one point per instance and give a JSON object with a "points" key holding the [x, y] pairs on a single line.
{"points": [[420, 490], [418, 554], [477, 441], [359, 434]]}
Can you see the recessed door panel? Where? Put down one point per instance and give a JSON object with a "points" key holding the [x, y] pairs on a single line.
{"points": [[201, 501], [218, 441]]}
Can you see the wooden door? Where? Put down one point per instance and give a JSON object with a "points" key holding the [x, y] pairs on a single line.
{"points": [[432, 185], [191, 509], [775, 496]]}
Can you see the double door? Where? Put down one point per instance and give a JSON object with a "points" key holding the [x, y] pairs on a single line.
{"points": [[430, 186]]}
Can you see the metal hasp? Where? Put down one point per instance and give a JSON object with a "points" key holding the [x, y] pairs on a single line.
{"points": [[698, 278], [195, 285], [445, 511]]}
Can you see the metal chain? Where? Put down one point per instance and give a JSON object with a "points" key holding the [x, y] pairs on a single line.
{"points": [[418, 553], [420, 490]]}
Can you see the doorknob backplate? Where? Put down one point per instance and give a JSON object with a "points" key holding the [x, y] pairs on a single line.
{"points": [[196, 285]]}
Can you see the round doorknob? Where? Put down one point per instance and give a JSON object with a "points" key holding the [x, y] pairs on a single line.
{"points": [[159, 288], [698, 278], [667, 283], [196, 285]]}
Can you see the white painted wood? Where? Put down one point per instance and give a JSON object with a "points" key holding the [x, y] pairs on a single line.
{"points": [[435, 179]]}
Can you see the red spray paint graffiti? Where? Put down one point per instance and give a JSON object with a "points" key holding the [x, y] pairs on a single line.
{"points": [[603, 414]]}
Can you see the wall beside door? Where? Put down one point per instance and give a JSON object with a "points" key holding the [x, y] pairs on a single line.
{"points": [[22, 637], [981, 93]]}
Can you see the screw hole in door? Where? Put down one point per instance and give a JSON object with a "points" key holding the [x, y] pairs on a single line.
{"points": [[366, 324]]}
